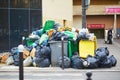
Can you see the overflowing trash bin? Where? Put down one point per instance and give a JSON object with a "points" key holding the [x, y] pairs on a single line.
{"points": [[72, 47], [44, 49], [56, 51], [87, 47]]}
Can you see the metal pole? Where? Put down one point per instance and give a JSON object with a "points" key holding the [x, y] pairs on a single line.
{"points": [[21, 77], [115, 24], [83, 14], [62, 53], [21, 73]]}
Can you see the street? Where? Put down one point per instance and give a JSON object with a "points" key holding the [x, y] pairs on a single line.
{"points": [[59, 74]]}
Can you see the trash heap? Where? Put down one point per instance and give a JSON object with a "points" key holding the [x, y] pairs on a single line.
{"points": [[37, 51], [102, 59]]}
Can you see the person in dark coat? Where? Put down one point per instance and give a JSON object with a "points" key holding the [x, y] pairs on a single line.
{"points": [[110, 36]]}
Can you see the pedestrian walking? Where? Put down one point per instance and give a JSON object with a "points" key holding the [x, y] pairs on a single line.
{"points": [[110, 36], [106, 36]]}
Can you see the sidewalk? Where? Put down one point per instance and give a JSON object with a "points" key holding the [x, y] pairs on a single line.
{"points": [[114, 49]]}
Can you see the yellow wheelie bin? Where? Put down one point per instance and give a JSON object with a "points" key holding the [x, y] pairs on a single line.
{"points": [[87, 47]]}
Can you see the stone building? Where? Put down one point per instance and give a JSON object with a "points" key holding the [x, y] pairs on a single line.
{"points": [[20, 17]]}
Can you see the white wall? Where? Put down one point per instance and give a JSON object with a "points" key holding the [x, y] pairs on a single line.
{"points": [[77, 22], [57, 10]]}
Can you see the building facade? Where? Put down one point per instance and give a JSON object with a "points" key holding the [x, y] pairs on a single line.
{"points": [[101, 15], [20, 17]]}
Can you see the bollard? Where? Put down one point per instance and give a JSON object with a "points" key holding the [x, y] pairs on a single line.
{"points": [[21, 73], [89, 74], [62, 52]]}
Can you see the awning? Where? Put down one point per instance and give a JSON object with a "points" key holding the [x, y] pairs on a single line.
{"points": [[95, 26]]}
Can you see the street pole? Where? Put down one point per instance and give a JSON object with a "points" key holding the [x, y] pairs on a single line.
{"points": [[21, 77], [21, 73], [62, 52], [83, 14]]}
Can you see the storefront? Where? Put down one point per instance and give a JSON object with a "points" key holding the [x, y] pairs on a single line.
{"points": [[98, 23], [114, 11], [18, 18], [97, 29]]}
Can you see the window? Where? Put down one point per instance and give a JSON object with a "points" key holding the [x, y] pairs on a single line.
{"points": [[19, 4], [4, 32], [19, 26], [18, 18], [35, 19], [35, 4], [3, 3]]}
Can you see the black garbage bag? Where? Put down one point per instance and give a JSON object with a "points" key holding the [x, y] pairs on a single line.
{"points": [[38, 47], [43, 62], [76, 62], [101, 55], [14, 50], [16, 59], [29, 48], [67, 62], [38, 52], [36, 42], [82, 35], [46, 51], [58, 35], [103, 49], [113, 60], [92, 62], [56, 25], [75, 53], [66, 37], [44, 43], [106, 63], [15, 55], [43, 51], [37, 60]]}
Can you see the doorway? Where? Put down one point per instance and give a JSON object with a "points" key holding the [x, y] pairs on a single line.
{"points": [[99, 33]]}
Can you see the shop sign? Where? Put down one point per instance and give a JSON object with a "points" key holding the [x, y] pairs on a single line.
{"points": [[112, 10], [95, 26]]}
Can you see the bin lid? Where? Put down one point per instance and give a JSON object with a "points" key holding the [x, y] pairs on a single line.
{"points": [[51, 42]]}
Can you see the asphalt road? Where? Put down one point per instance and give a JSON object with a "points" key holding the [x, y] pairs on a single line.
{"points": [[106, 76], [60, 75]]}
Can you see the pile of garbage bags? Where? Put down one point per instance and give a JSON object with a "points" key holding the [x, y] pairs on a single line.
{"points": [[102, 59], [38, 57], [37, 51]]}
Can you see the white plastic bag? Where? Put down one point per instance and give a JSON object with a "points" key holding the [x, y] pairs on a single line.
{"points": [[27, 62], [10, 60]]}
